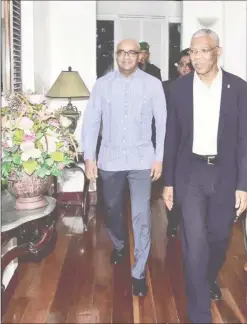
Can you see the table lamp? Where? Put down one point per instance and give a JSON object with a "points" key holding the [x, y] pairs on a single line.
{"points": [[69, 84]]}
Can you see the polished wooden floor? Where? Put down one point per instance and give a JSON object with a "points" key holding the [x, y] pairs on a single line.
{"points": [[76, 283]]}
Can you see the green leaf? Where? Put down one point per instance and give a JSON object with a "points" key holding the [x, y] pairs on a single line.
{"points": [[18, 136], [36, 127], [6, 169], [41, 172], [39, 145], [68, 162], [39, 135], [49, 162], [30, 166], [7, 159], [56, 172], [6, 153], [57, 156], [59, 144], [16, 159], [48, 172]]}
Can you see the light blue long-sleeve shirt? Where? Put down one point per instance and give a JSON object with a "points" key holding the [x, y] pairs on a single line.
{"points": [[126, 106]]}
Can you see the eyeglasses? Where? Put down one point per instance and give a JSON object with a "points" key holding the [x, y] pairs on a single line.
{"points": [[129, 53], [184, 64], [203, 51]]}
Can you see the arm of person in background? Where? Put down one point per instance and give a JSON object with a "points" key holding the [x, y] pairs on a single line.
{"points": [[160, 115], [159, 75], [170, 148], [241, 192], [90, 131], [157, 72]]}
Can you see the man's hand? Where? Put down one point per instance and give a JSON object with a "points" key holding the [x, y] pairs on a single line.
{"points": [[91, 170], [241, 201], [168, 197], [156, 170]]}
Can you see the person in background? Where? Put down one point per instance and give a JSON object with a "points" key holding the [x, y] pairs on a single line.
{"points": [[126, 99], [144, 63], [151, 69], [205, 159], [184, 67]]}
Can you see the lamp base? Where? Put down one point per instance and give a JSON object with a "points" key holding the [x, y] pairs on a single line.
{"points": [[72, 113]]}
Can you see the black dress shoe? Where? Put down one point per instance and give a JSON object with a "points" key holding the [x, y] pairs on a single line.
{"points": [[139, 287], [215, 292], [117, 256], [172, 232]]}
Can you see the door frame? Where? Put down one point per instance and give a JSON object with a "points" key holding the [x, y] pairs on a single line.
{"points": [[164, 35]]}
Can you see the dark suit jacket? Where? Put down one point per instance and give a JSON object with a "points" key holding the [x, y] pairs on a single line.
{"points": [[232, 135], [152, 70], [166, 87]]}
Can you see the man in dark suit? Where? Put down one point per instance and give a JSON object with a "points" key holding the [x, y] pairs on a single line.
{"points": [[205, 159], [183, 67], [151, 69], [144, 63]]}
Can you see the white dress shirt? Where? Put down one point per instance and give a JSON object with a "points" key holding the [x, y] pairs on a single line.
{"points": [[206, 114]]}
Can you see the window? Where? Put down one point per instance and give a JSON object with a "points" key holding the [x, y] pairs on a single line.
{"points": [[11, 78], [105, 47], [174, 48]]}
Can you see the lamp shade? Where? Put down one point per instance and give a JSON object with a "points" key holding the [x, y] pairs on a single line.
{"points": [[69, 84]]}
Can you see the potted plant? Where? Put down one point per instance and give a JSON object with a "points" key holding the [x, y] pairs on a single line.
{"points": [[36, 145]]}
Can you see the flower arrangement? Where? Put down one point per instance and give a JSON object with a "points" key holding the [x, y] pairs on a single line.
{"points": [[35, 140]]}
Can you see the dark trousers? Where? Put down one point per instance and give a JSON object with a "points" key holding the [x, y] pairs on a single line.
{"points": [[113, 184], [205, 225], [173, 216]]}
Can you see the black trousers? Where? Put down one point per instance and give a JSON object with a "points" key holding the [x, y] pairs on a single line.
{"points": [[174, 215], [206, 223]]}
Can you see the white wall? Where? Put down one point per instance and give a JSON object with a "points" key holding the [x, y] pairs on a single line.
{"points": [[200, 14], [28, 48], [228, 19], [146, 8], [42, 50], [64, 35], [235, 37]]}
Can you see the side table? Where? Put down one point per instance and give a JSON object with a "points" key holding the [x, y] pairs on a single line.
{"points": [[84, 193], [34, 229]]}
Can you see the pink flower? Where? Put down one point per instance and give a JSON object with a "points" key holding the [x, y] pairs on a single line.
{"points": [[29, 137], [61, 166]]}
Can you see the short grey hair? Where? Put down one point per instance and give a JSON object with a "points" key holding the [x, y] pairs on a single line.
{"points": [[207, 32]]}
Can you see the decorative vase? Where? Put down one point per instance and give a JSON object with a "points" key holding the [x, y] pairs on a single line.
{"points": [[29, 191]]}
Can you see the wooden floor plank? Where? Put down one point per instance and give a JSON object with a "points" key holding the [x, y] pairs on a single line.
{"points": [[122, 291], [103, 293], [38, 280], [82, 298], [77, 284], [144, 311], [157, 265]]}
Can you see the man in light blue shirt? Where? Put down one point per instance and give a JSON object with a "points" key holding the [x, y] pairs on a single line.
{"points": [[126, 100]]}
